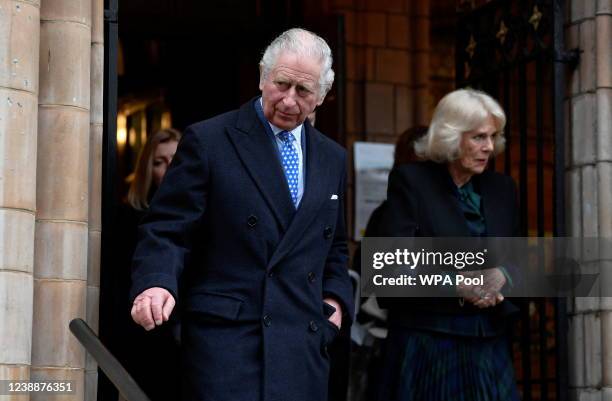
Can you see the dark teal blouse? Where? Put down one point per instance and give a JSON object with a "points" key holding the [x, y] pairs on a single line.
{"points": [[471, 208]]}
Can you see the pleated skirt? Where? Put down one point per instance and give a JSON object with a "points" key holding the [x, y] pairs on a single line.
{"points": [[422, 365]]}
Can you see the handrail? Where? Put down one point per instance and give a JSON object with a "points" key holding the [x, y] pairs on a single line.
{"points": [[117, 374]]}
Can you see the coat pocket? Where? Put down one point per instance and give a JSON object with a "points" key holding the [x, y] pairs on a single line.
{"points": [[331, 331], [215, 305]]}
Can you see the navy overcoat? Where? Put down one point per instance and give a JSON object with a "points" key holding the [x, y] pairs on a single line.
{"points": [[253, 269]]}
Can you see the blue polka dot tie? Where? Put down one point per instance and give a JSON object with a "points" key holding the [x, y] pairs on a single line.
{"points": [[291, 165]]}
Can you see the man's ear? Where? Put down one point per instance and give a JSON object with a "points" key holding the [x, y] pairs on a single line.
{"points": [[322, 94]]}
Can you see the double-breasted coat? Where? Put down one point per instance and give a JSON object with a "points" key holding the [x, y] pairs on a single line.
{"points": [[253, 269]]}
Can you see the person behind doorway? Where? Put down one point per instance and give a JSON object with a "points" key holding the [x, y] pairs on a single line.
{"points": [[452, 348], [404, 153], [151, 167], [135, 344], [255, 199]]}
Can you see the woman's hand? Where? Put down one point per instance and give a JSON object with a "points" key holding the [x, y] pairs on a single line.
{"points": [[489, 293], [486, 300]]}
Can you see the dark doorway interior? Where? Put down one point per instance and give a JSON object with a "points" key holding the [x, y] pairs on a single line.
{"points": [[203, 56], [192, 60]]}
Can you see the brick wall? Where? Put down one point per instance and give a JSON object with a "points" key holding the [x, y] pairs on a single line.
{"points": [[387, 67]]}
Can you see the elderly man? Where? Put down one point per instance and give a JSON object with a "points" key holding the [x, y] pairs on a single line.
{"points": [[254, 202]]}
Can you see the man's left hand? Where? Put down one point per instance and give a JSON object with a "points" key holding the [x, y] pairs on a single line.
{"points": [[336, 317]]}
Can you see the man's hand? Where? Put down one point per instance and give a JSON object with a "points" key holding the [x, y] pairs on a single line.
{"points": [[336, 317], [152, 307]]}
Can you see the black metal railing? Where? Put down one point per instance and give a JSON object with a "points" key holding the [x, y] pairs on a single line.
{"points": [[117, 374]]}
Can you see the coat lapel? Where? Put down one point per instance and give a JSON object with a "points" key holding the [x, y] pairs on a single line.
{"points": [[489, 196], [448, 214], [313, 198], [256, 150]]}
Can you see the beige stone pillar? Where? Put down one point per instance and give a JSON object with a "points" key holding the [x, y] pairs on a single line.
{"points": [[19, 41], [603, 100], [95, 187], [61, 244], [590, 191]]}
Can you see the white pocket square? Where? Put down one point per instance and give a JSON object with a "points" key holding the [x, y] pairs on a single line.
{"points": [[334, 197]]}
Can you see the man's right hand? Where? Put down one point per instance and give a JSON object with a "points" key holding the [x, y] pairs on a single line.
{"points": [[152, 307]]}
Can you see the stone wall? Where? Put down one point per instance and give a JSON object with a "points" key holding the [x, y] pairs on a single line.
{"points": [[589, 177], [60, 264], [19, 43], [51, 67], [96, 119]]}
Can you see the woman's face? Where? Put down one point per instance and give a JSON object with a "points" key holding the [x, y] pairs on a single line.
{"points": [[161, 159], [476, 147]]}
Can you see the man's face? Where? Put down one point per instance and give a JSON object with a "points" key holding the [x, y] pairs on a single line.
{"points": [[291, 90]]}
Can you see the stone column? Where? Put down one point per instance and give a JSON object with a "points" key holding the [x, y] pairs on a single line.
{"points": [[19, 41], [95, 187], [603, 28], [590, 190], [60, 265]]}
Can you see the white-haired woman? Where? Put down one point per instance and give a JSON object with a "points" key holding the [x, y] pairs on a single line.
{"points": [[453, 348]]}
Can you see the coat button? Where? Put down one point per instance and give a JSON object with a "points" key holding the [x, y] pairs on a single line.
{"points": [[270, 274], [267, 320], [252, 220], [313, 326], [327, 232], [311, 277]]}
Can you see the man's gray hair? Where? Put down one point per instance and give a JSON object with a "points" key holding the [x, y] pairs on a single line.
{"points": [[460, 111], [303, 43]]}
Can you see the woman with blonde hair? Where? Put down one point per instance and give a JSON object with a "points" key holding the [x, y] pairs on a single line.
{"points": [[134, 346], [151, 166], [453, 348]]}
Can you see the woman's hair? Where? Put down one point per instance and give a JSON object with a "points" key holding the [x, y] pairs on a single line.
{"points": [[138, 194], [458, 112], [302, 43]]}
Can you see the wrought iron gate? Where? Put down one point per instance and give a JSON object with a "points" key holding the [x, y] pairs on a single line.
{"points": [[513, 49]]}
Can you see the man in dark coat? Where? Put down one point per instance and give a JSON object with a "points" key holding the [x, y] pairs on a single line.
{"points": [[254, 201]]}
